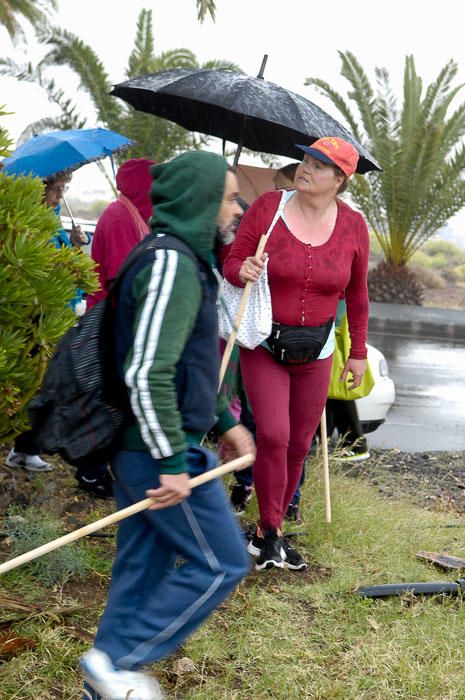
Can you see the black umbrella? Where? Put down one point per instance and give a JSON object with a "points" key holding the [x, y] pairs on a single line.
{"points": [[251, 112]]}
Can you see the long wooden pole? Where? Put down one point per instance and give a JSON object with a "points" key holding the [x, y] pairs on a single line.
{"points": [[324, 452], [240, 312], [234, 465]]}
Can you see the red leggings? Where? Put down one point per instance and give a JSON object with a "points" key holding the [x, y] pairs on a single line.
{"points": [[287, 402]]}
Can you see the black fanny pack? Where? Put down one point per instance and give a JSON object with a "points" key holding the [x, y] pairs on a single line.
{"points": [[297, 345]]}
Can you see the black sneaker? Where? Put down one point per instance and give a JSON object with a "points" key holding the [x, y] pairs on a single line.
{"points": [[293, 513], [102, 486], [272, 553], [240, 496], [294, 560]]}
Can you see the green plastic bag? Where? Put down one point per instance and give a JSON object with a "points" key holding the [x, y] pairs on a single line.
{"points": [[340, 390]]}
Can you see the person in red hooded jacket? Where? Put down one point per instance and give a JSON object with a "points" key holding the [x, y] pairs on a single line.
{"points": [[123, 223], [120, 228]]}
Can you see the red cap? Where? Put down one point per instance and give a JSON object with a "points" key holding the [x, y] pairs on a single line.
{"points": [[334, 151]]}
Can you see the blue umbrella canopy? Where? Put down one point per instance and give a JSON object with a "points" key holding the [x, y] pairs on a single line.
{"points": [[58, 151]]}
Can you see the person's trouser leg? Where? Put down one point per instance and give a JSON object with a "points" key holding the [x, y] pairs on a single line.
{"points": [[152, 605], [309, 389], [268, 384], [25, 443], [347, 422], [297, 495], [287, 402]]}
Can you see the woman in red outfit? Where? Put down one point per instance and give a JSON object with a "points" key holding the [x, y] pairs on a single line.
{"points": [[318, 248]]}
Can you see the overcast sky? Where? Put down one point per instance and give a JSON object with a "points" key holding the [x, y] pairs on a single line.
{"points": [[301, 37]]}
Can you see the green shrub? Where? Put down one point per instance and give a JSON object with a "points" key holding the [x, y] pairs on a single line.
{"points": [[446, 248], [438, 261], [421, 259], [37, 281], [457, 274]]}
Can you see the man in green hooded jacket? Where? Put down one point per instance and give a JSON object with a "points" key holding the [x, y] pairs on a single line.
{"points": [[173, 566]]}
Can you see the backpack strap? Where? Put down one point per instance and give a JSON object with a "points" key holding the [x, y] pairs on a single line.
{"points": [[152, 242]]}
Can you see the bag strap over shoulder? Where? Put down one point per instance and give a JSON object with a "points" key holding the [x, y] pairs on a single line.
{"points": [[279, 211]]}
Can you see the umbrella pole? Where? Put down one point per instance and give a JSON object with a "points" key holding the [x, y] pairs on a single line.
{"points": [[234, 465], [240, 144], [238, 153], [324, 451], [70, 214]]}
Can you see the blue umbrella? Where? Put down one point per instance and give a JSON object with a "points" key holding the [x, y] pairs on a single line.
{"points": [[57, 151]]}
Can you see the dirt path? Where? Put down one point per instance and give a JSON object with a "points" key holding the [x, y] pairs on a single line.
{"points": [[433, 480]]}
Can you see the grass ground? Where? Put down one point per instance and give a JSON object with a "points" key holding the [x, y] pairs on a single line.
{"points": [[282, 635]]}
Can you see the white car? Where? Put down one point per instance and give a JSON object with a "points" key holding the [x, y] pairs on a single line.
{"points": [[372, 409]]}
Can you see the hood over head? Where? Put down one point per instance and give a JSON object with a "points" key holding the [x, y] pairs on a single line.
{"points": [[187, 194], [134, 180]]}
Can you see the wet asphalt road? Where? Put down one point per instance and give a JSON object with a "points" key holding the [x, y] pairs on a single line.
{"points": [[429, 411]]}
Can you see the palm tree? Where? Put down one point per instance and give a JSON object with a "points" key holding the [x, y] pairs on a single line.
{"points": [[30, 10], [154, 137], [419, 146]]}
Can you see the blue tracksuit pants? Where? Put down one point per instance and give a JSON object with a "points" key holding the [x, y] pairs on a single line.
{"points": [[172, 567]]}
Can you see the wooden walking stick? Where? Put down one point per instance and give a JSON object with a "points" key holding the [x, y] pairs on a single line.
{"points": [[324, 452], [246, 293], [240, 312], [234, 465]]}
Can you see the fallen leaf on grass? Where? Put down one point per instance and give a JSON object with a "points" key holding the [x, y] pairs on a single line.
{"points": [[11, 644]]}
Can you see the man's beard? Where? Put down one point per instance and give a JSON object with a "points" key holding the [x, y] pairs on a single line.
{"points": [[225, 234]]}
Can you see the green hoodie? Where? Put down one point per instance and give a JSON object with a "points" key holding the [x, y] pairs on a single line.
{"points": [[186, 195], [167, 295]]}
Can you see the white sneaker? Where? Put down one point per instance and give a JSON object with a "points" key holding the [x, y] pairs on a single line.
{"points": [[114, 684], [33, 463], [352, 456]]}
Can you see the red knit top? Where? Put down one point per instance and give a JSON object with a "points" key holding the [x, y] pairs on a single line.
{"points": [[305, 280]]}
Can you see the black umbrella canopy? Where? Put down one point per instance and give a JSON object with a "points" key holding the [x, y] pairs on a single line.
{"points": [[251, 112]]}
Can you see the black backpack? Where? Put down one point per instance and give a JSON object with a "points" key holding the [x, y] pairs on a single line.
{"points": [[77, 413]]}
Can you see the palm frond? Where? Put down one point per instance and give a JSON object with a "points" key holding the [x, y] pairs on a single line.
{"points": [[142, 55], [361, 92], [175, 58], [68, 49], [412, 99], [152, 136], [419, 147], [439, 94], [11, 69], [326, 90], [204, 6], [46, 124], [218, 64], [12, 10]]}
